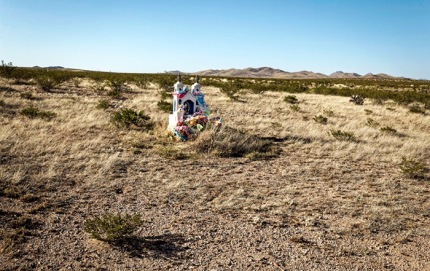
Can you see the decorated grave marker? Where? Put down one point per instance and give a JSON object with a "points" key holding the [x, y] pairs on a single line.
{"points": [[190, 112]]}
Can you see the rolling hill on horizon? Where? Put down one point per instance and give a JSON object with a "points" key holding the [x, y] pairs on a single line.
{"points": [[268, 72]]}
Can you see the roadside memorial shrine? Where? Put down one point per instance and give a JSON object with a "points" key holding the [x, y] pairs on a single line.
{"points": [[190, 113]]}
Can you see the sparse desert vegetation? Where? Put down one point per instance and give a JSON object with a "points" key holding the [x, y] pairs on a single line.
{"points": [[310, 182]]}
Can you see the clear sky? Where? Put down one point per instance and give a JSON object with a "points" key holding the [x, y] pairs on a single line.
{"points": [[360, 36]]}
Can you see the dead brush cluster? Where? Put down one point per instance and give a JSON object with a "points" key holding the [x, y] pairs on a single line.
{"points": [[230, 142]]}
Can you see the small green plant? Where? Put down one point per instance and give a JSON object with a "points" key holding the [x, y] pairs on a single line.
{"points": [[388, 130], [113, 227], [165, 106], [343, 135], [33, 112], [295, 107], [413, 168], [129, 118], [27, 95], [320, 119], [291, 99], [417, 109], [328, 112], [368, 112], [103, 104]]}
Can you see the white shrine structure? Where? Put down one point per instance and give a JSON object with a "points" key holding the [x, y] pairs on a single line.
{"points": [[186, 102]]}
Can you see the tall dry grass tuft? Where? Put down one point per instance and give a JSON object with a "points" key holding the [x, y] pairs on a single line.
{"points": [[230, 142]]}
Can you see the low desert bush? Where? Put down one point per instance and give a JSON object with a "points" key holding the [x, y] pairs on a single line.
{"points": [[368, 112], [103, 104], [343, 135], [33, 112], [113, 227], [165, 106], [413, 168], [230, 142], [321, 119], [128, 118], [2, 103], [49, 80], [291, 99]]}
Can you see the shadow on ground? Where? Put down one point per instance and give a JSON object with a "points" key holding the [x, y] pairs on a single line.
{"points": [[166, 246]]}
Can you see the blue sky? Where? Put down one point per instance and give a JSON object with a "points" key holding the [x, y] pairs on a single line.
{"points": [[154, 36]]}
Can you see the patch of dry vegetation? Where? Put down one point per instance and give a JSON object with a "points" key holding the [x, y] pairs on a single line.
{"points": [[273, 189]]}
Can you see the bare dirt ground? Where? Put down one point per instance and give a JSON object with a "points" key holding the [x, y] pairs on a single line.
{"points": [[323, 204]]}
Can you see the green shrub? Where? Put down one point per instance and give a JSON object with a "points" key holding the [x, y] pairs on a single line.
{"points": [[113, 227], [27, 95], [342, 135], [33, 112], [391, 109], [413, 168], [165, 106], [2, 103], [321, 119], [291, 99], [417, 109], [368, 112], [50, 80], [128, 118], [103, 104], [388, 129]]}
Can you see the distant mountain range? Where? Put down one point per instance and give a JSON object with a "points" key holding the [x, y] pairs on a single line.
{"points": [[267, 72]]}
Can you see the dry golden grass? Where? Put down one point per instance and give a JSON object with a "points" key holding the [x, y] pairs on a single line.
{"points": [[323, 204]]}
